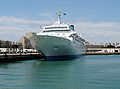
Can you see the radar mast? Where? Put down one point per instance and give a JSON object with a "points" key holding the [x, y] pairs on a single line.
{"points": [[59, 16], [59, 13]]}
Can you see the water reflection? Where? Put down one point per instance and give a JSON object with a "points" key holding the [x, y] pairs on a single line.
{"points": [[87, 72], [52, 73], [35, 74]]}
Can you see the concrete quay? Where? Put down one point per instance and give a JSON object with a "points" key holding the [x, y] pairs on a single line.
{"points": [[102, 53], [19, 57]]}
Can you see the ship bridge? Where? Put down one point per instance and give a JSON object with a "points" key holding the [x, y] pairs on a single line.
{"points": [[58, 28]]}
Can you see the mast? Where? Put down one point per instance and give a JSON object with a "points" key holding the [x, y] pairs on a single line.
{"points": [[59, 16]]}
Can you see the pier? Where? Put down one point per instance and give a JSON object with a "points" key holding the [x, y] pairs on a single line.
{"points": [[103, 51], [21, 56], [12, 57]]}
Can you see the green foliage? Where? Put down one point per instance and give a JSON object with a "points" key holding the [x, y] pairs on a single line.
{"points": [[102, 46], [118, 47], [7, 44], [0, 42], [14, 46], [110, 46]]}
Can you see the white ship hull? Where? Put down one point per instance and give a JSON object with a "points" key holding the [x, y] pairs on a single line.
{"points": [[58, 48]]}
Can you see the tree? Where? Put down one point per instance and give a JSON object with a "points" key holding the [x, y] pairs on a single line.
{"points": [[7, 44], [102, 46], [0, 42], [110, 46]]}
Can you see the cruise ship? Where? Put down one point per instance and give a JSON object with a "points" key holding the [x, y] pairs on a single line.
{"points": [[59, 41]]}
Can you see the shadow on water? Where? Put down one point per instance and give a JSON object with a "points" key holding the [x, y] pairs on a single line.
{"points": [[53, 74], [36, 74], [5, 65]]}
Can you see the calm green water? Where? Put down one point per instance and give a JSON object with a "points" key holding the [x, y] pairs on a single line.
{"points": [[87, 72]]}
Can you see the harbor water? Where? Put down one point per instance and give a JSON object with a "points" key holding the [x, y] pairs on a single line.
{"points": [[87, 72]]}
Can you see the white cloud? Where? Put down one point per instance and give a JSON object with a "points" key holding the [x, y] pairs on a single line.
{"points": [[12, 28], [10, 20], [96, 32]]}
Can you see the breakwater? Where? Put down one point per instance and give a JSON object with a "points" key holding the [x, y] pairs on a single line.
{"points": [[19, 57]]}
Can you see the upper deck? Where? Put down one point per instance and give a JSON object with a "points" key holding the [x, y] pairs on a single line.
{"points": [[58, 28]]}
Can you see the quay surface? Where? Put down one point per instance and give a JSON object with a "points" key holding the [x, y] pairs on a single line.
{"points": [[102, 53], [19, 57]]}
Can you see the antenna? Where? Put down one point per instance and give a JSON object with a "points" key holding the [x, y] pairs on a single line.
{"points": [[59, 16], [59, 13]]}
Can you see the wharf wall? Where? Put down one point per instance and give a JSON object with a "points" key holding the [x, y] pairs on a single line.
{"points": [[19, 57], [103, 51]]}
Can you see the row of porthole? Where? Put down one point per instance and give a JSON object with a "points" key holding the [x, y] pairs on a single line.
{"points": [[44, 37], [57, 34], [39, 39]]}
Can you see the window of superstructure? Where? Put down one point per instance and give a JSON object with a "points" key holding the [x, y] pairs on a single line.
{"points": [[54, 27], [54, 30]]}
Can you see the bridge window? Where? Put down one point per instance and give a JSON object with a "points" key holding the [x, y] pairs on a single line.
{"points": [[54, 27], [72, 27], [54, 30]]}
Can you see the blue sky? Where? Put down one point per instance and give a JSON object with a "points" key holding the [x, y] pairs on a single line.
{"points": [[92, 18]]}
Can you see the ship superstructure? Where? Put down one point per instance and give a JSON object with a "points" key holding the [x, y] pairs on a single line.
{"points": [[59, 41]]}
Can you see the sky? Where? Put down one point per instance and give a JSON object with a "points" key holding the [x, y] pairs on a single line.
{"points": [[97, 21]]}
